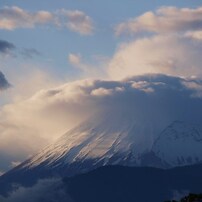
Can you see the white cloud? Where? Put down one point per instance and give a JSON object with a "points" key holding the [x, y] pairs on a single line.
{"points": [[167, 54], [197, 35], [75, 59], [164, 20], [170, 50], [102, 92], [196, 87], [78, 21], [15, 17], [143, 85]]}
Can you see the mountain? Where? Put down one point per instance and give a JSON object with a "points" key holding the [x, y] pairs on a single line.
{"points": [[106, 139], [96, 143], [135, 126], [179, 144]]}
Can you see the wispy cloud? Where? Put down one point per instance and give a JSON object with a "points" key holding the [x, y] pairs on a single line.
{"points": [[9, 49], [15, 17], [87, 69], [30, 52], [78, 21]]}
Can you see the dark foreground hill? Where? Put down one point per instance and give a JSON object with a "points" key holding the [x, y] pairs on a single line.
{"points": [[125, 184]]}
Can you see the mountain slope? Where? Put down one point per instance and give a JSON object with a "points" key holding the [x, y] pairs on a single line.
{"points": [[97, 143], [179, 144], [100, 141]]}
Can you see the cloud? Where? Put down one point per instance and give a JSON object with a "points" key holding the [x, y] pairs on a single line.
{"points": [[74, 59], [102, 92], [197, 35], [34, 78], [49, 190], [78, 21], [9, 49], [6, 47], [28, 125], [87, 70], [167, 54], [15, 17], [4, 84], [30, 52], [164, 20], [174, 48]]}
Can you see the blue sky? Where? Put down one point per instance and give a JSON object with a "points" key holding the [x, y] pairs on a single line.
{"points": [[49, 43], [55, 44]]}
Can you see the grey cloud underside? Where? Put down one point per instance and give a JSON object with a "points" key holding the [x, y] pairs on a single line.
{"points": [[6, 46], [4, 84]]}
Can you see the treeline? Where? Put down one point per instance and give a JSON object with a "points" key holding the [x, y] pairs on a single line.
{"points": [[190, 198]]}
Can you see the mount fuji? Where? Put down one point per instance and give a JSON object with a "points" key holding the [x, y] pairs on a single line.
{"points": [[138, 136], [91, 145]]}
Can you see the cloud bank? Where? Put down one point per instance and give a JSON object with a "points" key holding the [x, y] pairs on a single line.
{"points": [[171, 44], [168, 54]]}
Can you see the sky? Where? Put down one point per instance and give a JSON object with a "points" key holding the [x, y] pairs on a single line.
{"points": [[47, 45]]}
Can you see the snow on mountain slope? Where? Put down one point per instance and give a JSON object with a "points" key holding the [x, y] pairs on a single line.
{"points": [[179, 144], [121, 141], [111, 141]]}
